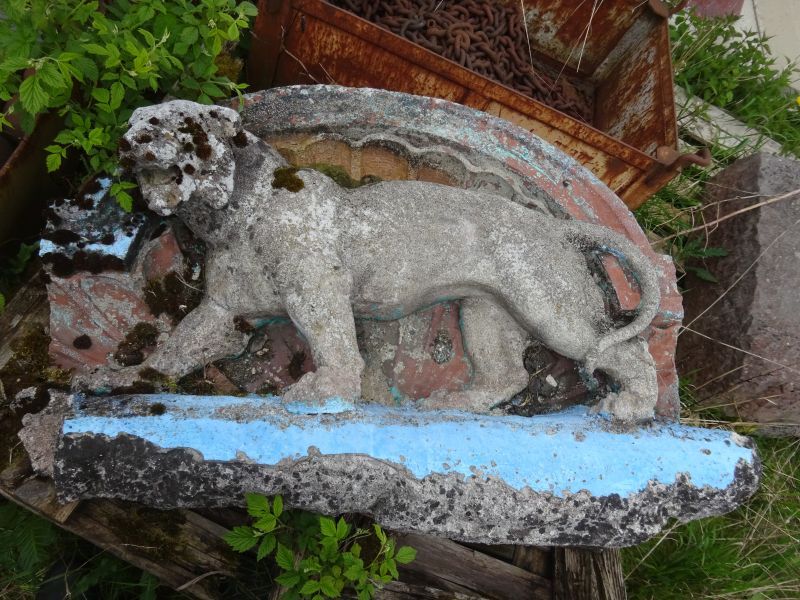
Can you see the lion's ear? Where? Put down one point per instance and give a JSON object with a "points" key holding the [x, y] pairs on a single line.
{"points": [[223, 122]]}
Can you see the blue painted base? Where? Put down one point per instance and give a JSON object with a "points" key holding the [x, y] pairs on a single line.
{"points": [[551, 459]]}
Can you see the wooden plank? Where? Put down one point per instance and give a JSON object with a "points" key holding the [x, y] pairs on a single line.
{"points": [[534, 559], [448, 566], [398, 590], [588, 575], [27, 307], [186, 551], [41, 495]]}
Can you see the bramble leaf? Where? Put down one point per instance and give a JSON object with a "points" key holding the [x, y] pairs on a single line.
{"points": [[101, 95], [327, 585], [284, 558], [240, 538], [327, 527], [266, 546], [288, 580], [266, 523], [342, 529], [53, 162], [309, 587], [405, 555], [257, 505], [33, 98]]}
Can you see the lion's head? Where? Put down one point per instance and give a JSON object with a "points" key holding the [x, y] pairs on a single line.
{"points": [[181, 151]]}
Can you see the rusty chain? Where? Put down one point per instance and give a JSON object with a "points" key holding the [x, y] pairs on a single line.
{"points": [[483, 36]]}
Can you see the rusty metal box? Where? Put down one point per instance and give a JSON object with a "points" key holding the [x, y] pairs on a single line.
{"points": [[617, 51]]}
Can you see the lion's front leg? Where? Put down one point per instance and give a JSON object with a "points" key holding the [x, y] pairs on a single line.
{"points": [[317, 299], [206, 334]]}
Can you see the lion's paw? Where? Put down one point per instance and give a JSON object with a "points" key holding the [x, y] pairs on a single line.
{"points": [[625, 406], [324, 390]]}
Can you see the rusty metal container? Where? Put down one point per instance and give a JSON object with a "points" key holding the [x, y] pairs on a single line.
{"points": [[616, 51]]}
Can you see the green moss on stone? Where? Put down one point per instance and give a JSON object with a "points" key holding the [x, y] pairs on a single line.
{"points": [[286, 178]]}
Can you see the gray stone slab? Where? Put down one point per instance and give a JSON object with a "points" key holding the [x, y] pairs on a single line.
{"points": [[760, 313]]}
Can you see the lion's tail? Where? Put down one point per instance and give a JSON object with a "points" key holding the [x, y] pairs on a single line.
{"points": [[606, 240]]}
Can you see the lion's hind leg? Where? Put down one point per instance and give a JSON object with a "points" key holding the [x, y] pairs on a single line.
{"points": [[631, 366], [495, 344]]}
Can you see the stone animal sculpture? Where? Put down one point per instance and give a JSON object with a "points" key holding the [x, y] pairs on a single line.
{"points": [[322, 255]]}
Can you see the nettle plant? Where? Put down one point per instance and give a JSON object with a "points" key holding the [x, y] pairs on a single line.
{"points": [[94, 62], [319, 557]]}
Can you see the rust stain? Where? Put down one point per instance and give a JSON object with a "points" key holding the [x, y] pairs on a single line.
{"points": [[634, 114]]}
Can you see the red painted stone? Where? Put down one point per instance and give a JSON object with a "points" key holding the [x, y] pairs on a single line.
{"points": [[280, 361], [414, 373], [104, 306]]}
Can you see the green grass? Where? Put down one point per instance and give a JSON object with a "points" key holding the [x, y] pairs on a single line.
{"points": [[753, 552]]}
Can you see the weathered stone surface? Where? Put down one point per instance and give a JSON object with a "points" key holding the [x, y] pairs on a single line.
{"points": [[41, 432], [562, 479], [283, 242], [761, 312]]}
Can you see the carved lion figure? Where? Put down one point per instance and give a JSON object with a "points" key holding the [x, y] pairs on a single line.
{"points": [[323, 255]]}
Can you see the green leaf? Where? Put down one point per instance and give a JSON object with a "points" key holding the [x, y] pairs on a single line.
{"points": [[233, 32], [95, 49], [353, 572], [284, 558], [266, 546], [87, 67], [101, 95], [257, 505], [148, 37], [53, 162], [277, 506], [189, 35], [15, 63], [33, 98], [327, 526], [240, 538], [392, 568], [342, 529], [266, 523], [309, 587], [405, 555], [211, 89], [288, 580], [50, 76], [713, 251], [117, 94], [327, 585], [379, 533], [703, 274], [248, 9]]}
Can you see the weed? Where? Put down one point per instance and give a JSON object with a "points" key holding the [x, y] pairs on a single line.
{"points": [[749, 553], [37, 557], [319, 557], [94, 67], [736, 71]]}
